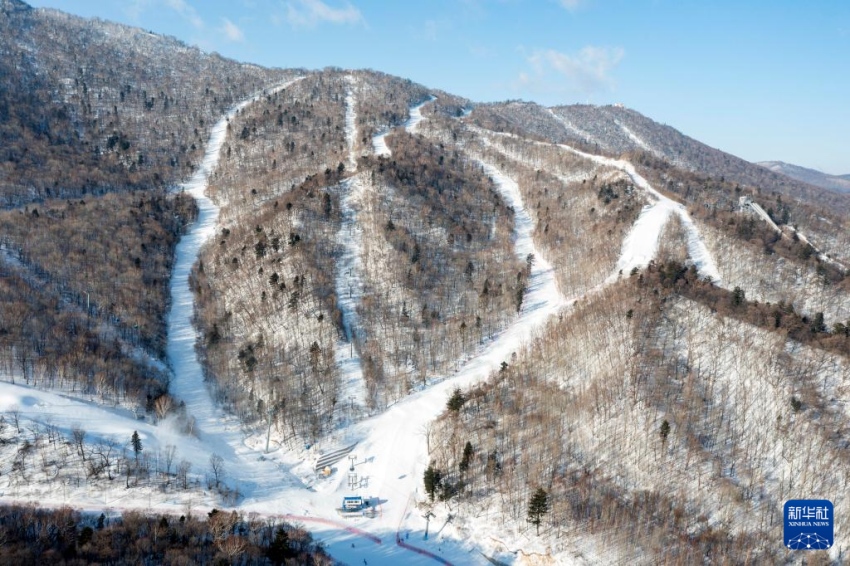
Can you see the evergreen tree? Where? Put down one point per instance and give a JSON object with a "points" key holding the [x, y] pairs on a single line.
{"points": [[664, 431], [537, 507], [738, 297], [137, 444], [456, 401], [818, 324], [279, 549], [467, 457], [433, 478]]}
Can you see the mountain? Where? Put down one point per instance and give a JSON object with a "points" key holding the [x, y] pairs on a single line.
{"points": [[219, 282], [839, 183], [79, 97], [616, 130]]}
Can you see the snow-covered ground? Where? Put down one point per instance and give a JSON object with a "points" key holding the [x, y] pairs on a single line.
{"points": [[586, 136], [379, 145], [348, 278], [351, 123], [642, 242], [764, 215], [188, 382], [379, 142], [416, 118], [391, 448]]}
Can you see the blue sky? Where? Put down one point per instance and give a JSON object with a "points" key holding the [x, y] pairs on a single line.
{"points": [[764, 80]]}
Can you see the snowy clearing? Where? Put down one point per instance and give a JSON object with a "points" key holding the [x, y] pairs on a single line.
{"points": [[348, 279]]}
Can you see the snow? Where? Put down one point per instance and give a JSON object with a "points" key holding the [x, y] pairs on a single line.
{"points": [[348, 279], [391, 447], [379, 142], [415, 118], [764, 215], [351, 122], [188, 383], [641, 243], [104, 327], [756, 207], [585, 136]]}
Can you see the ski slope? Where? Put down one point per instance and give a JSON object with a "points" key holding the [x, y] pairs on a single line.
{"points": [[641, 243], [351, 123], [391, 448], [348, 279], [379, 142], [188, 382]]}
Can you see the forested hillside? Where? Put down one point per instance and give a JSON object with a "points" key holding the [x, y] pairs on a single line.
{"points": [[569, 334], [98, 123]]}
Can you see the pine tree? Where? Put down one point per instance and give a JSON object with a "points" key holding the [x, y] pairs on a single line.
{"points": [[456, 401], [467, 457], [664, 431], [279, 549], [137, 444], [433, 478], [537, 507]]}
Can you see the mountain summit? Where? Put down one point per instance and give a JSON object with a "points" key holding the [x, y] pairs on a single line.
{"points": [[13, 6], [839, 183], [219, 282]]}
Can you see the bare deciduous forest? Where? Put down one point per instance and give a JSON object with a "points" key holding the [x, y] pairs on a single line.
{"points": [[360, 261], [65, 536]]}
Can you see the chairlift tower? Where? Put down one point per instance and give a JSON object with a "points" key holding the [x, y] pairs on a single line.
{"points": [[352, 475]]}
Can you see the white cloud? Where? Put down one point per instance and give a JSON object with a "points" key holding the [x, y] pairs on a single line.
{"points": [[310, 13], [232, 31], [587, 71], [184, 9], [570, 4]]}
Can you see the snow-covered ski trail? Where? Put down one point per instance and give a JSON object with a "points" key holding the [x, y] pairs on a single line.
{"points": [[348, 276], [588, 138], [351, 122], [641, 243], [392, 446], [379, 142], [415, 118], [188, 383]]}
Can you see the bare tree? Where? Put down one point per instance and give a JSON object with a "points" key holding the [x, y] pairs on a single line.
{"points": [[78, 435], [170, 452], [183, 473], [217, 468], [15, 413]]}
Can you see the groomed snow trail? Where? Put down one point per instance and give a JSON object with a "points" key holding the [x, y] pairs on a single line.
{"points": [[392, 449], [412, 123], [188, 384], [348, 276], [351, 122], [641, 244], [588, 138], [756, 207], [379, 142]]}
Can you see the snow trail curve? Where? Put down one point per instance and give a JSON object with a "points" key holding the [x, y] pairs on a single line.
{"points": [[188, 383]]}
